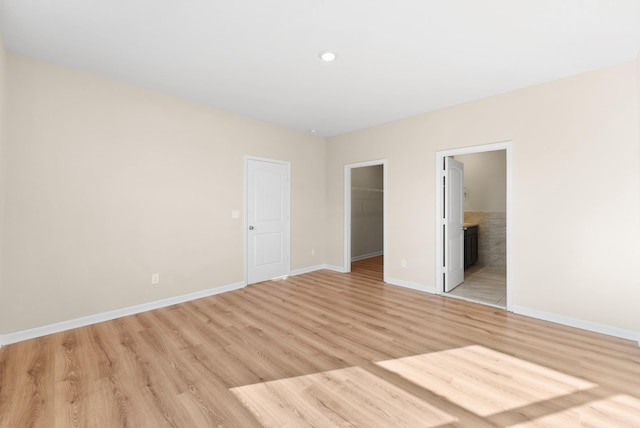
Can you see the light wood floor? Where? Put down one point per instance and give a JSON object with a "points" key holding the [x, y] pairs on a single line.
{"points": [[484, 284], [322, 349]]}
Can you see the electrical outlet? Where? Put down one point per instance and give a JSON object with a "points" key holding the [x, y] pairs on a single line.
{"points": [[403, 263], [313, 251], [155, 279]]}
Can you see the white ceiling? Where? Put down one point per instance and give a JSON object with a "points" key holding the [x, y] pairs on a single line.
{"points": [[396, 58]]}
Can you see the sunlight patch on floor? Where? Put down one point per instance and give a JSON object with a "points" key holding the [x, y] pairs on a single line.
{"points": [[344, 397], [484, 381], [616, 411], [504, 389]]}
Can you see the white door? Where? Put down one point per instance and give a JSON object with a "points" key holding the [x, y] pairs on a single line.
{"points": [[267, 220], [453, 224]]}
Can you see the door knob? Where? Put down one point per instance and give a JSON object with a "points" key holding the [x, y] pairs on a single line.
{"points": [[251, 227]]}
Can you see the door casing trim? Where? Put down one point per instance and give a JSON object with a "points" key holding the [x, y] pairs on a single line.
{"points": [[439, 160]]}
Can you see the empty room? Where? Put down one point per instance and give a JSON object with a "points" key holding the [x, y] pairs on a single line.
{"points": [[269, 214]]}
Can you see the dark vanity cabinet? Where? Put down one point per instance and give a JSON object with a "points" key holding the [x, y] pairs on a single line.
{"points": [[470, 245]]}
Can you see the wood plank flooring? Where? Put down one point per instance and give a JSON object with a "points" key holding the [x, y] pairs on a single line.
{"points": [[322, 349]]}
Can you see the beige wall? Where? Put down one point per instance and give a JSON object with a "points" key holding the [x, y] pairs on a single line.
{"points": [[485, 181], [576, 191], [108, 183], [105, 183]]}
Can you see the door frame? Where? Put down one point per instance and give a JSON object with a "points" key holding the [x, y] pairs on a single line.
{"points": [[245, 216], [439, 206], [347, 212]]}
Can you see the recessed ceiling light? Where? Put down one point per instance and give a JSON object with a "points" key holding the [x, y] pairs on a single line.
{"points": [[327, 56]]}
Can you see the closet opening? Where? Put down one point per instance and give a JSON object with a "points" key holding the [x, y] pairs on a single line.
{"points": [[365, 216]]}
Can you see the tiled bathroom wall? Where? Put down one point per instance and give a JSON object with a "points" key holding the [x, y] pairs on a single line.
{"points": [[492, 237]]}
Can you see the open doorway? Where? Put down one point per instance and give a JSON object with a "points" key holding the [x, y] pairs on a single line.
{"points": [[481, 237], [365, 214], [484, 227]]}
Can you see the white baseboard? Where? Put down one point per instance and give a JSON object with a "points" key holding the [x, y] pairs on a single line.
{"points": [[367, 256], [338, 269], [19, 336], [315, 268], [411, 285], [578, 323], [307, 270]]}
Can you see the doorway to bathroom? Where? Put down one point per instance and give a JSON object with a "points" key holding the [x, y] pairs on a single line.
{"points": [[473, 224]]}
